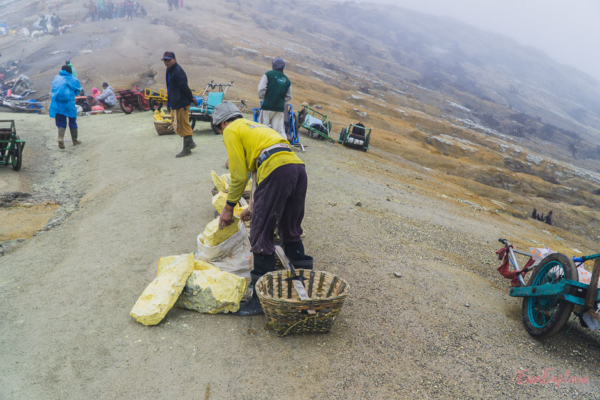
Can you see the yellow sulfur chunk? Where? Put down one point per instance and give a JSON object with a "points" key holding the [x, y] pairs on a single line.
{"points": [[160, 295], [214, 236], [226, 181], [248, 185], [217, 181], [212, 291], [199, 265], [220, 199]]}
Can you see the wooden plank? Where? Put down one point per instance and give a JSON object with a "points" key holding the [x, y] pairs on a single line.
{"points": [[548, 289], [320, 288], [297, 284], [590, 298], [310, 283], [573, 299], [335, 279], [271, 284], [280, 285]]}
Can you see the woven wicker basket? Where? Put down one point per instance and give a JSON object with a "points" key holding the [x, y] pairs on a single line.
{"points": [[288, 314], [164, 128]]}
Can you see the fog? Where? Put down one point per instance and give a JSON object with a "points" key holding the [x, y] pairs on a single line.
{"points": [[566, 31]]}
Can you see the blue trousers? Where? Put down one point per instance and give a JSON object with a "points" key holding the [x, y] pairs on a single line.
{"points": [[61, 121]]}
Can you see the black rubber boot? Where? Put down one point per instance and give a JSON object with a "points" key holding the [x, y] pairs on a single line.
{"points": [[295, 252], [192, 143], [187, 147], [252, 306], [74, 137], [262, 264]]}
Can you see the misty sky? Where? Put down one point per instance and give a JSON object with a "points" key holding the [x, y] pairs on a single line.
{"points": [[568, 31]]}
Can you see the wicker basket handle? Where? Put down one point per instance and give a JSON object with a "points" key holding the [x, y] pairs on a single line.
{"points": [[296, 282]]}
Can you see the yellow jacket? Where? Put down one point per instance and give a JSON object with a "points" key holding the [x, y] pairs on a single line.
{"points": [[244, 140]]}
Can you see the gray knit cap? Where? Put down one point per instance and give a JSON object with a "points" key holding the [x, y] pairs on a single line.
{"points": [[224, 111], [278, 63]]}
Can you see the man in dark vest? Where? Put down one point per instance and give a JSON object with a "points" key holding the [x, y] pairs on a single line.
{"points": [[274, 89], [180, 98]]}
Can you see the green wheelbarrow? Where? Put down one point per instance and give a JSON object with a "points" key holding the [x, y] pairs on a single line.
{"points": [[11, 146]]}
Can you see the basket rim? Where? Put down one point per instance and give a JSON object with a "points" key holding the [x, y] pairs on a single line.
{"points": [[282, 300]]}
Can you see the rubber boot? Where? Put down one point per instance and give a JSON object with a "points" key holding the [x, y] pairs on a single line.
{"points": [[262, 264], [252, 306], [192, 143], [61, 138], [187, 147], [295, 252], [74, 137]]}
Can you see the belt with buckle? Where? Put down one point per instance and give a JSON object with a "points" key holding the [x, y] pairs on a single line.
{"points": [[269, 151]]}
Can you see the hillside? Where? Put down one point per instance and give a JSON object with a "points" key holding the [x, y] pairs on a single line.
{"points": [[471, 132]]}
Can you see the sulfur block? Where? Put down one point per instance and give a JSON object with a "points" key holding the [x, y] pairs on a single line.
{"points": [[219, 200], [212, 291], [217, 181], [226, 181], [199, 265], [214, 236], [162, 293]]}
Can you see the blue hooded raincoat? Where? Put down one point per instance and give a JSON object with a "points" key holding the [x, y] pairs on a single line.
{"points": [[64, 89]]}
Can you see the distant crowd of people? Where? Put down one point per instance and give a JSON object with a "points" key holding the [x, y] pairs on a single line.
{"points": [[176, 4], [101, 10], [53, 20]]}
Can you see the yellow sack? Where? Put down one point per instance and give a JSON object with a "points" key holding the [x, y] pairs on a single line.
{"points": [[214, 236], [162, 293]]}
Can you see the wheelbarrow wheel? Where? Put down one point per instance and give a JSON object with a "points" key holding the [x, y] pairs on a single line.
{"points": [[296, 124], [366, 145], [125, 106], [17, 155], [545, 316], [342, 136], [154, 105], [143, 103]]}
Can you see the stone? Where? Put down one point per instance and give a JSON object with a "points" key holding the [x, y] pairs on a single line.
{"points": [[362, 114], [217, 181], [162, 293], [358, 204], [214, 236], [220, 199], [397, 274], [212, 291], [467, 305]]}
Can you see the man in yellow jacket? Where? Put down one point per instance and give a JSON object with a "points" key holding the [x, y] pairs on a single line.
{"points": [[278, 199]]}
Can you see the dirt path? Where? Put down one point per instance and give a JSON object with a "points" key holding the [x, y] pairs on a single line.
{"points": [[66, 293]]}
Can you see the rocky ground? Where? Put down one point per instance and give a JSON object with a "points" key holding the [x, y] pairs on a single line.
{"points": [[412, 225], [444, 328]]}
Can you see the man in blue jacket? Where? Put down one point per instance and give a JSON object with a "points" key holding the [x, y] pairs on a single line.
{"points": [[180, 98], [62, 106]]}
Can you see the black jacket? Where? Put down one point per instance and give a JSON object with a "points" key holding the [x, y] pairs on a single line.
{"points": [[180, 94]]}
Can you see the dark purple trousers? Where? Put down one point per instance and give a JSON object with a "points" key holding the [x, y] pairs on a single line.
{"points": [[278, 203]]}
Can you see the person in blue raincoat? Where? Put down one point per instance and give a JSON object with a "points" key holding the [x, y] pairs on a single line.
{"points": [[62, 106]]}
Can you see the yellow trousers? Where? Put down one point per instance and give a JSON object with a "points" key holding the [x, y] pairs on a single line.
{"points": [[181, 121]]}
